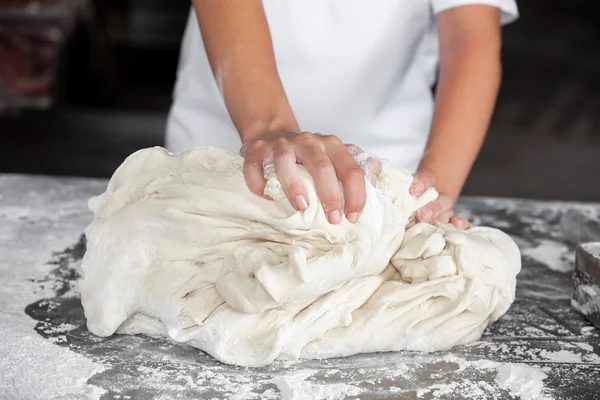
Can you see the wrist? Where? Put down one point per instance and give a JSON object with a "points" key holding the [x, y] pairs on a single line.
{"points": [[257, 127], [448, 180]]}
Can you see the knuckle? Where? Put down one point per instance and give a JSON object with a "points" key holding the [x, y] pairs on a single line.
{"points": [[258, 147], [305, 136], [280, 142], [332, 139], [355, 203], [420, 177], [429, 177], [247, 149], [323, 166], [332, 202], [250, 163], [437, 207], [424, 171], [353, 149], [353, 174], [445, 202], [293, 188], [285, 154], [425, 175]]}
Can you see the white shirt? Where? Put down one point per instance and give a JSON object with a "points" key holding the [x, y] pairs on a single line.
{"points": [[361, 70]]}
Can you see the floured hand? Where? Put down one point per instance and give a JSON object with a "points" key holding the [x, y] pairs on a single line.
{"points": [[325, 157], [440, 210]]}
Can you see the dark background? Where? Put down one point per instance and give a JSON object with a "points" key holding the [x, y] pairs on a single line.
{"points": [[117, 67]]}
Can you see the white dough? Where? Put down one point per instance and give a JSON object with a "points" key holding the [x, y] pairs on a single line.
{"points": [[180, 247]]}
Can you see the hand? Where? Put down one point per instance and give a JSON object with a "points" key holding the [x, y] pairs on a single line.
{"points": [[439, 210], [325, 157]]}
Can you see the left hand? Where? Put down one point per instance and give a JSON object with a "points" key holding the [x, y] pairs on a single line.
{"points": [[439, 210]]}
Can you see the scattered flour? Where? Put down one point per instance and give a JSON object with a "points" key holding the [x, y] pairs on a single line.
{"points": [[562, 356], [592, 248], [468, 390], [556, 256], [588, 330], [426, 377], [62, 328], [522, 380], [567, 352], [33, 223], [296, 387], [585, 346], [34, 368]]}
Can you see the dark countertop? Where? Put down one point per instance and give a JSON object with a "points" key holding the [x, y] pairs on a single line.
{"points": [[540, 349]]}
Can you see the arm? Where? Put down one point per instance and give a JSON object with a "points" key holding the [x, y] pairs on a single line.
{"points": [[240, 51], [470, 71], [238, 44]]}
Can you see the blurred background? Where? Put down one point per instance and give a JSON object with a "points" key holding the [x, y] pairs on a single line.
{"points": [[84, 83]]}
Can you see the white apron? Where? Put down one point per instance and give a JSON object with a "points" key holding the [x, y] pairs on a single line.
{"points": [[361, 70]]}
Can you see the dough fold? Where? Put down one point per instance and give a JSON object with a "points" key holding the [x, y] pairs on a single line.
{"points": [[179, 247]]}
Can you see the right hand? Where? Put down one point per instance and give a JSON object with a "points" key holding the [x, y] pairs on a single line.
{"points": [[325, 157]]}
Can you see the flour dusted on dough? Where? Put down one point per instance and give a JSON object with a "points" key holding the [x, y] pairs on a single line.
{"points": [[179, 247]]}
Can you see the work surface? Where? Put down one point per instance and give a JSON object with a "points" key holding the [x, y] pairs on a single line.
{"points": [[540, 349]]}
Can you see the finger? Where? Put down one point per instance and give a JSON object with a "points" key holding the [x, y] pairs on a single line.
{"points": [[422, 180], [268, 160], [353, 149], [253, 173], [286, 169], [444, 217], [321, 169], [460, 223], [430, 211], [374, 166], [371, 166], [353, 181]]}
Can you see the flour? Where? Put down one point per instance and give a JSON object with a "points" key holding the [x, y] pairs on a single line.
{"points": [[554, 255], [521, 380], [61, 328], [30, 366], [33, 368], [410, 379], [570, 352], [466, 390], [296, 387], [592, 248], [180, 247]]}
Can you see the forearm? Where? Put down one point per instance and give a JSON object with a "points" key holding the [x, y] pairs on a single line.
{"points": [[240, 51], [470, 73]]}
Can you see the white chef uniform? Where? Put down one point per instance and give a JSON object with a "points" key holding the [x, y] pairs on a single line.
{"points": [[359, 69]]}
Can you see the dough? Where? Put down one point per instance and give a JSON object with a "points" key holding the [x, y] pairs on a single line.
{"points": [[179, 247]]}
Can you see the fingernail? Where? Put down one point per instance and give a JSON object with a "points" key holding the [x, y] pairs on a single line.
{"points": [[335, 217], [301, 203], [425, 215], [372, 179], [417, 188], [462, 224], [352, 217]]}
